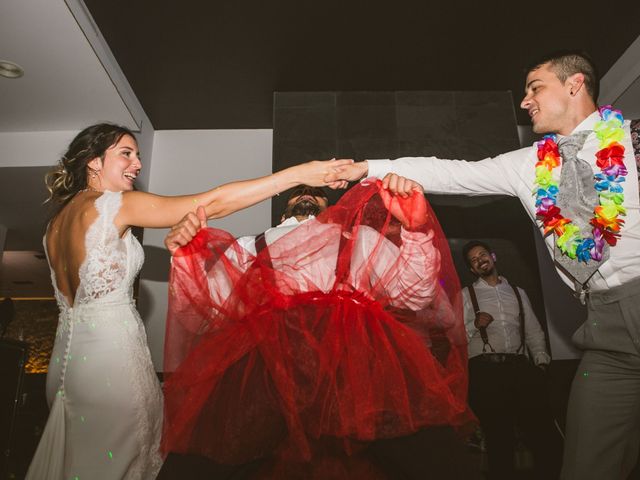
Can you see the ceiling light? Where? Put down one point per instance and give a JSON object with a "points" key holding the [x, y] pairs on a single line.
{"points": [[10, 69]]}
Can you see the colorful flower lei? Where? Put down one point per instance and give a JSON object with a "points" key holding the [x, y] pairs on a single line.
{"points": [[606, 222]]}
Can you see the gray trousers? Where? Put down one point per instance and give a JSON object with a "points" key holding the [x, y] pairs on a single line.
{"points": [[603, 417]]}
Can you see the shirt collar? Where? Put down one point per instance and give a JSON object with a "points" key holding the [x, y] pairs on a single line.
{"points": [[588, 123], [291, 221], [481, 282]]}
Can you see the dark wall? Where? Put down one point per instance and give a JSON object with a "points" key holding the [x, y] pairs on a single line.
{"points": [[23, 214], [456, 125]]}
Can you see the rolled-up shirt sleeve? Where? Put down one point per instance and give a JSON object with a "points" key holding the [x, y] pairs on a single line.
{"points": [[407, 275]]}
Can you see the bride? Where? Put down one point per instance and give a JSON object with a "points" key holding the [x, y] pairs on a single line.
{"points": [[105, 399]]}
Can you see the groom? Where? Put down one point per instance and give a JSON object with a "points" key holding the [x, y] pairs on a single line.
{"points": [[591, 231]]}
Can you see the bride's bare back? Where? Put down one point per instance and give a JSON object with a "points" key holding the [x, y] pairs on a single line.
{"points": [[65, 241]]}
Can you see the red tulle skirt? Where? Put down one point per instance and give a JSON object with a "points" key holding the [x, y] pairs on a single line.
{"points": [[303, 353]]}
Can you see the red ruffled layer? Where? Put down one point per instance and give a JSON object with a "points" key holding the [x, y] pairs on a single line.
{"points": [[263, 360]]}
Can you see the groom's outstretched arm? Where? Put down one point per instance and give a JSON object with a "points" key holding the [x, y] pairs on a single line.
{"points": [[506, 174]]}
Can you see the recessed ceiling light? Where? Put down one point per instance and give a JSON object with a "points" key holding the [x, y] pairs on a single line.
{"points": [[10, 69]]}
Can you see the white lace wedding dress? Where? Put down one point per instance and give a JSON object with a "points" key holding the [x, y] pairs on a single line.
{"points": [[105, 398]]}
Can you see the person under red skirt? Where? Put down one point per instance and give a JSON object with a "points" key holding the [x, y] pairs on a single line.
{"points": [[341, 335]]}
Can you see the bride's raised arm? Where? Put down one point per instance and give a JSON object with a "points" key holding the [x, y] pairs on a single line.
{"points": [[105, 157], [155, 211]]}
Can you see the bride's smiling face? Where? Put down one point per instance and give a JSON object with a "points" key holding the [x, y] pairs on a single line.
{"points": [[119, 169]]}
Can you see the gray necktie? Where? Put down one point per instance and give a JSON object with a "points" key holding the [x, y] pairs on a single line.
{"points": [[576, 199]]}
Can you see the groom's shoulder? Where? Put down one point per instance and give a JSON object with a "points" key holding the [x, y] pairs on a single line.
{"points": [[520, 153]]}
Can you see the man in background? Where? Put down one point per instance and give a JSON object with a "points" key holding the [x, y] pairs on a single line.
{"points": [[508, 359]]}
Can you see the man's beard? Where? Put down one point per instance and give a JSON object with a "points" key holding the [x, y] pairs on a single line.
{"points": [[303, 208], [487, 273]]}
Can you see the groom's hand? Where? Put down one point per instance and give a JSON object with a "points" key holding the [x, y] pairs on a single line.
{"points": [[182, 233]]}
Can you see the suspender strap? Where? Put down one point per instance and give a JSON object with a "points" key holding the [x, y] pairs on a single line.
{"points": [[343, 261], [348, 237], [483, 331], [261, 245], [520, 317], [474, 299]]}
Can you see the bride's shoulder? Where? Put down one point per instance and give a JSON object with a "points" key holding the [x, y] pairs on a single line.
{"points": [[73, 220], [82, 205], [106, 203], [134, 197], [86, 208]]}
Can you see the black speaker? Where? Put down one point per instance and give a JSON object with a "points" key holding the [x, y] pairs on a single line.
{"points": [[13, 356]]}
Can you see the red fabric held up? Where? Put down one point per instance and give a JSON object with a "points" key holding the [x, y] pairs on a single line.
{"points": [[317, 340]]}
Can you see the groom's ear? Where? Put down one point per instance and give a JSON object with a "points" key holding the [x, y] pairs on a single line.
{"points": [[575, 82], [495, 258]]}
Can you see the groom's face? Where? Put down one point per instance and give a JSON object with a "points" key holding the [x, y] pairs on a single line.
{"points": [[546, 100]]}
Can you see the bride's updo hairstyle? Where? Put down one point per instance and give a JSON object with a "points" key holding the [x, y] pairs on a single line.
{"points": [[69, 176]]}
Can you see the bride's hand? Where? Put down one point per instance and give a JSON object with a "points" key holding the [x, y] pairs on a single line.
{"points": [[320, 173], [407, 204], [401, 186], [182, 233]]}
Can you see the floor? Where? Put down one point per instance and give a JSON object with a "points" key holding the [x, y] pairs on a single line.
{"points": [[32, 415]]}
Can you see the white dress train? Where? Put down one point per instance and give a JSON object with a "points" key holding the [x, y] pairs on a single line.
{"points": [[105, 398]]}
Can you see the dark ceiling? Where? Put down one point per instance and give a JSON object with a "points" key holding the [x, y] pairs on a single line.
{"points": [[205, 64]]}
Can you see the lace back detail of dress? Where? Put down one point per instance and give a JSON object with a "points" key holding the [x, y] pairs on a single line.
{"points": [[105, 266]]}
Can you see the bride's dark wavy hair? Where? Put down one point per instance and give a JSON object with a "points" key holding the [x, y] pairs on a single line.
{"points": [[69, 176]]}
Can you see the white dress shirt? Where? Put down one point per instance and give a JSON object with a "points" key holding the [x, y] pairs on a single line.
{"points": [[412, 287], [504, 332], [513, 173]]}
